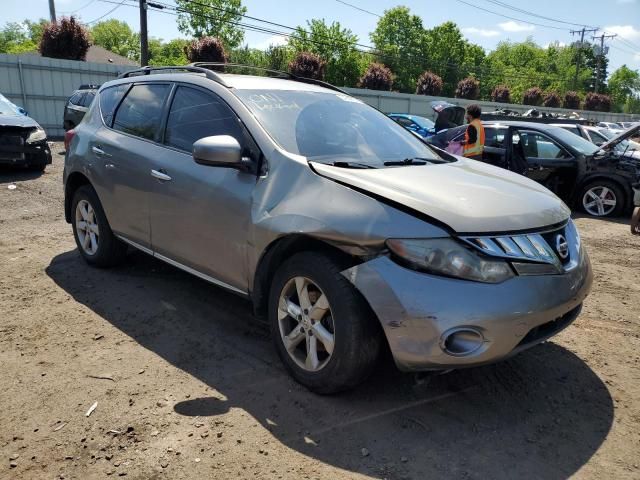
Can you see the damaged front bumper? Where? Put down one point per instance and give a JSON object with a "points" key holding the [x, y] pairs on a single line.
{"points": [[14, 149], [436, 323]]}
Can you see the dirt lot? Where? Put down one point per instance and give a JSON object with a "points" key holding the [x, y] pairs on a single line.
{"points": [[192, 389]]}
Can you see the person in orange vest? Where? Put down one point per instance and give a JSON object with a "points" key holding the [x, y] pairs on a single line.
{"points": [[473, 145]]}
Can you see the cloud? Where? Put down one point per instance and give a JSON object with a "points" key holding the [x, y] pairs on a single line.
{"points": [[628, 32], [275, 40], [482, 32], [512, 26]]}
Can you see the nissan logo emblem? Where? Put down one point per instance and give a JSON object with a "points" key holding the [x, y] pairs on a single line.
{"points": [[562, 247]]}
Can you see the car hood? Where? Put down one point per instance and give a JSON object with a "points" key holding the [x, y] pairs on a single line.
{"points": [[17, 121], [466, 195], [632, 132]]}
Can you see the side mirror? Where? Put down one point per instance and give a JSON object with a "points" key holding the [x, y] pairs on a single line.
{"points": [[220, 151]]}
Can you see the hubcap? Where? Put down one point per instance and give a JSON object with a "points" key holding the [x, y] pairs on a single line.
{"points": [[87, 227], [599, 201], [306, 324]]}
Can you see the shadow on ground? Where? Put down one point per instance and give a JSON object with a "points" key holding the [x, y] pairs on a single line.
{"points": [[10, 174], [542, 414]]}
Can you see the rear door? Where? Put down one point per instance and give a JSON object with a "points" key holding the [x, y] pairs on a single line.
{"points": [[200, 214], [74, 109], [123, 152]]}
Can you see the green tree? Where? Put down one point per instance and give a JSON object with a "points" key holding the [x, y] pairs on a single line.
{"points": [[117, 37], [170, 53], [451, 56], [624, 86], [399, 38], [21, 37], [335, 45], [214, 18]]}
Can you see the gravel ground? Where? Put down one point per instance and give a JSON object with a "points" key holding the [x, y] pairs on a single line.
{"points": [[187, 386]]}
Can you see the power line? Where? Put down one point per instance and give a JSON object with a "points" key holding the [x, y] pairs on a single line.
{"points": [[108, 13], [527, 12], [511, 18], [78, 9], [359, 8]]}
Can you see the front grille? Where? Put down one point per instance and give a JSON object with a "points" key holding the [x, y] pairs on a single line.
{"points": [[559, 247], [12, 142]]}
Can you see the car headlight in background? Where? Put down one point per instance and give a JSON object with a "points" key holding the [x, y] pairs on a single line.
{"points": [[445, 256], [37, 135]]}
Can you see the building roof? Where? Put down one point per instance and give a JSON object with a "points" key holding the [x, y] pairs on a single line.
{"points": [[98, 54]]}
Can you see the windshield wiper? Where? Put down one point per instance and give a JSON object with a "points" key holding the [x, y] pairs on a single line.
{"points": [[351, 165], [406, 161]]}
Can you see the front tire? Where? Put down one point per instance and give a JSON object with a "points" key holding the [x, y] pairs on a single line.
{"points": [[602, 198], [95, 240], [325, 333]]}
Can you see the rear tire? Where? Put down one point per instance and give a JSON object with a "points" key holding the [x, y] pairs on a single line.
{"points": [[343, 331], [95, 240], [602, 198]]}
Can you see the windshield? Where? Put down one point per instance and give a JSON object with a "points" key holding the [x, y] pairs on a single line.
{"points": [[579, 144], [7, 108], [332, 127]]}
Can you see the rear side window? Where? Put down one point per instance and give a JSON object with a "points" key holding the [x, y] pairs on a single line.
{"points": [[140, 113], [75, 98], [88, 98], [109, 100], [195, 114]]}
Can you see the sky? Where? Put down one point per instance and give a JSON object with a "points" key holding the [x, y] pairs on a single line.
{"points": [[478, 19]]}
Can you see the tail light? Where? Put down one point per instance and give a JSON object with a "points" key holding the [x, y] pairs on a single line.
{"points": [[68, 136]]}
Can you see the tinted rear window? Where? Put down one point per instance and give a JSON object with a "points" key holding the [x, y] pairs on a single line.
{"points": [[109, 100], [140, 113]]}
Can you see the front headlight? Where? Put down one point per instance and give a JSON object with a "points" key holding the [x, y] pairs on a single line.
{"points": [[445, 256], [37, 135]]}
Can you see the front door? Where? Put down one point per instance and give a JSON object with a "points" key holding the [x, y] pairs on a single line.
{"points": [[199, 214], [547, 161]]}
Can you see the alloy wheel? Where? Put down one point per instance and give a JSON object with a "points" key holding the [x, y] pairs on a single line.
{"points": [[87, 227], [599, 201], [306, 324]]}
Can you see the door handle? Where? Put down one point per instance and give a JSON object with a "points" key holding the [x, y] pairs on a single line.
{"points": [[99, 152], [160, 175]]}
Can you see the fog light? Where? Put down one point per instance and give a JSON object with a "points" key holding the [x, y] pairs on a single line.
{"points": [[461, 341]]}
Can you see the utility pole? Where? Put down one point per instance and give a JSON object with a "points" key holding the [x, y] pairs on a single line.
{"points": [[580, 46], [52, 11], [144, 42], [601, 53]]}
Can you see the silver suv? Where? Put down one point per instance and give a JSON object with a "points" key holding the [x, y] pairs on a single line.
{"points": [[345, 230]]}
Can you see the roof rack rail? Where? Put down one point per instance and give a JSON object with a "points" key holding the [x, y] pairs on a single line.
{"points": [[186, 68], [202, 67], [280, 73]]}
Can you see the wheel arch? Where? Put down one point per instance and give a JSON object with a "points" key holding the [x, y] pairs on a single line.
{"points": [[75, 181], [624, 184], [277, 252]]}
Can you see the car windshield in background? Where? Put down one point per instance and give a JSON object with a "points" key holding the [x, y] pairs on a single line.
{"points": [[579, 144], [423, 122], [333, 127]]}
